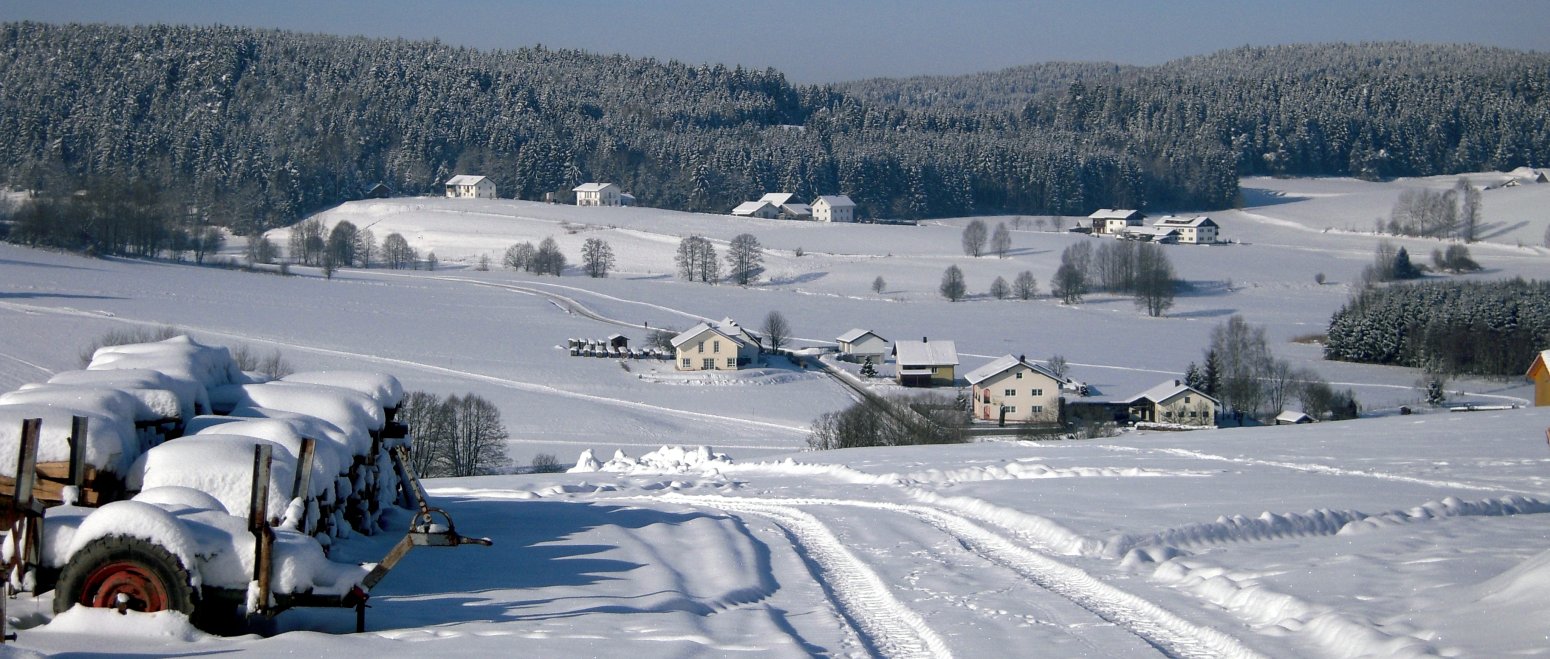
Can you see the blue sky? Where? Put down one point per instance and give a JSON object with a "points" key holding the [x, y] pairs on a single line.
{"points": [[835, 40]]}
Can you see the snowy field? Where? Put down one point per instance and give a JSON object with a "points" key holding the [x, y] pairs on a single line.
{"points": [[1382, 536]]}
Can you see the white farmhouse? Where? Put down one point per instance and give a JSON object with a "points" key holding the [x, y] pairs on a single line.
{"points": [[1114, 220], [796, 212], [860, 345], [1024, 391], [464, 186], [761, 208], [596, 194], [1198, 230], [723, 346], [834, 208]]}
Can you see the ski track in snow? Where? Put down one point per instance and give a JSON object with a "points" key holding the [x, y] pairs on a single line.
{"points": [[518, 385], [1169, 633], [1315, 468]]}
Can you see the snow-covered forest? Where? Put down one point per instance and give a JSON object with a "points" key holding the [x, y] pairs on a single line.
{"points": [[259, 128]]}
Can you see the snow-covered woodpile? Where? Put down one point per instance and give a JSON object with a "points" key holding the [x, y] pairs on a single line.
{"points": [[612, 349], [178, 413]]}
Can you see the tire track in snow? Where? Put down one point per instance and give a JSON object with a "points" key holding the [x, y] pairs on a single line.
{"points": [[1169, 633], [886, 626], [518, 385]]}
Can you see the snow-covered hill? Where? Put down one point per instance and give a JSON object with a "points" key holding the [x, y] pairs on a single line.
{"points": [[1380, 536]]}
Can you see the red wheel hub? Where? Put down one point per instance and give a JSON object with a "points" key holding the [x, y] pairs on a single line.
{"points": [[140, 588]]}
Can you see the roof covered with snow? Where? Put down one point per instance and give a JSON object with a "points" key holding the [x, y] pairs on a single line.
{"points": [[1165, 391], [592, 187], [1004, 363], [778, 198], [925, 353], [1116, 214], [1191, 222], [750, 207], [856, 335], [834, 201], [465, 179], [726, 327]]}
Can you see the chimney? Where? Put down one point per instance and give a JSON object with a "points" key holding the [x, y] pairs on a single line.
{"points": [[923, 339], [1177, 383]]}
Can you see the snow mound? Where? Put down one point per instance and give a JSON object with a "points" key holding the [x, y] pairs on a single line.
{"points": [[328, 458], [381, 387], [110, 441], [137, 519], [186, 395], [179, 358], [174, 496], [107, 622], [344, 444], [103, 401], [342, 407], [225, 470], [665, 460]]}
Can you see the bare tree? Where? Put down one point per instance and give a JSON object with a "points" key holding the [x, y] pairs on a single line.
{"points": [[1057, 222], [204, 241], [1000, 241], [1154, 280], [365, 247], [426, 416], [520, 257], [953, 287], [597, 258], [777, 333], [1025, 287], [340, 249], [974, 236], [548, 260], [1243, 357], [696, 260], [878, 285], [1469, 210], [999, 289], [745, 258], [260, 249], [475, 442], [396, 252]]}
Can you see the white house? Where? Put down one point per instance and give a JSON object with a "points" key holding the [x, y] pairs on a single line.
{"points": [[762, 209], [464, 186], [1114, 220], [1024, 391], [860, 345], [596, 194], [834, 208], [723, 346], [1198, 230], [925, 364], [1174, 402]]}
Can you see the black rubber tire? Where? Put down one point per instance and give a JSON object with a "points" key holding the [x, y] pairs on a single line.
{"points": [[146, 557]]}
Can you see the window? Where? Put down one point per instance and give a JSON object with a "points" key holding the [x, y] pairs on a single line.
{"points": [[1186, 400], [1038, 392], [699, 347], [1019, 375], [1037, 409], [715, 346], [1193, 414], [1009, 393], [686, 362], [708, 363], [1010, 409], [731, 362]]}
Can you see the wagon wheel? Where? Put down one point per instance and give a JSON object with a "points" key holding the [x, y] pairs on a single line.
{"points": [[126, 573]]}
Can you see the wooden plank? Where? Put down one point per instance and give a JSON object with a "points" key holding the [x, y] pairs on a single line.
{"points": [[26, 466], [258, 523], [77, 476]]}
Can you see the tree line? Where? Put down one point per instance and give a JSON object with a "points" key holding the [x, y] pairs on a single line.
{"points": [[1448, 327], [275, 125]]}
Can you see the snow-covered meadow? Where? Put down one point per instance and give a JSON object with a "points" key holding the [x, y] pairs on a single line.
{"points": [[1381, 536]]}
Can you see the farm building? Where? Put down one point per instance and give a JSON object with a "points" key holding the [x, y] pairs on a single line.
{"points": [[1174, 402], [1539, 373], [1108, 221], [723, 346], [762, 209], [1023, 391], [925, 364], [1292, 418], [464, 186]]}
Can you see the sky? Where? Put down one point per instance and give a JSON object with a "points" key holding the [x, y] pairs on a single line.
{"points": [[819, 41]]}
